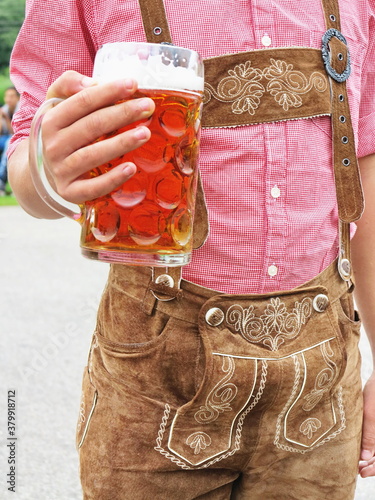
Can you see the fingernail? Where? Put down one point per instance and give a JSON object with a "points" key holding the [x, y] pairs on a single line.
{"points": [[366, 455], [129, 83], [87, 81], [128, 170], [140, 133], [144, 104]]}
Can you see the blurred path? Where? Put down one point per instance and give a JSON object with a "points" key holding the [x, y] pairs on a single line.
{"points": [[48, 300]]}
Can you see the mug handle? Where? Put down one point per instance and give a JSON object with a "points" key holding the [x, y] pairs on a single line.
{"points": [[38, 174]]}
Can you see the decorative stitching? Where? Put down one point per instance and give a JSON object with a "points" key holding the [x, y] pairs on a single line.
{"points": [[310, 426], [328, 438], [241, 420], [239, 428], [159, 439], [81, 412], [219, 399], [324, 380], [290, 400], [274, 326], [94, 401], [199, 441], [297, 376], [245, 86]]}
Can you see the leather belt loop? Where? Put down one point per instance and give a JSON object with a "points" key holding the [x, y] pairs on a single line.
{"points": [[344, 262], [336, 58], [163, 286], [165, 283], [155, 21]]}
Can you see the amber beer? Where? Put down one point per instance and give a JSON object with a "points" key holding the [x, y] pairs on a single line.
{"points": [[149, 219]]}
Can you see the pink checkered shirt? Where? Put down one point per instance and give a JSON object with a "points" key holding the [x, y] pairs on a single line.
{"points": [[269, 188]]}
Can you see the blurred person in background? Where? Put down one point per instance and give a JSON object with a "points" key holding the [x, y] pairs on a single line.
{"points": [[11, 100]]}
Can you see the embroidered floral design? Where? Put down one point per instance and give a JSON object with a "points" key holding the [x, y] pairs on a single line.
{"points": [[287, 85], [310, 426], [274, 326], [219, 399], [198, 441], [242, 87], [245, 86], [324, 379]]}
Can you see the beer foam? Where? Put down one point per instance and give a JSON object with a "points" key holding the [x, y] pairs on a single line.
{"points": [[148, 69]]}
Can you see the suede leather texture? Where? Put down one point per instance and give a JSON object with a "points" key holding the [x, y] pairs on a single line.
{"points": [[265, 405]]}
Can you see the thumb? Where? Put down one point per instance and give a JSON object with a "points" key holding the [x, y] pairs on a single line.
{"points": [[68, 84]]}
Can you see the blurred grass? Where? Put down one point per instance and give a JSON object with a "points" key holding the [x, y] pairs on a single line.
{"points": [[4, 83], [8, 200]]}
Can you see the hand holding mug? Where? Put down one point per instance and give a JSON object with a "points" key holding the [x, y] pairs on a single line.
{"points": [[70, 131], [132, 166]]}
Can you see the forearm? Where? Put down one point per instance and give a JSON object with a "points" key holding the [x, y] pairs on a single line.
{"points": [[363, 252], [22, 184]]}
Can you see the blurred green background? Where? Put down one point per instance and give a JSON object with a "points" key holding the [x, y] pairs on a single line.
{"points": [[12, 13]]}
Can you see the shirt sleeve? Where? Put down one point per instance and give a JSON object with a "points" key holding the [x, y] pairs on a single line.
{"points": [[55, 37], [366, 128]]}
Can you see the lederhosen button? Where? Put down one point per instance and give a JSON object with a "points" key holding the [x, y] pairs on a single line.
{"points": [[320, 302], [214, 316]]}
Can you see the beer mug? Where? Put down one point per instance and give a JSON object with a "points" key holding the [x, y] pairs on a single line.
{"points": [[148, 220]]}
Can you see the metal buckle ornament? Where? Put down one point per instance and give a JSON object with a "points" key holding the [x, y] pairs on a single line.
{"points": [[327, 37]]}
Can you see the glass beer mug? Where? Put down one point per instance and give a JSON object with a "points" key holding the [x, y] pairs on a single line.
{"points": [[148, 220]]}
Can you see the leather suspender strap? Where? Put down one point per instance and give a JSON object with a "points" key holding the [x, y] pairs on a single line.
{"points": [[347, 178], [155, 21], [337, 62]]}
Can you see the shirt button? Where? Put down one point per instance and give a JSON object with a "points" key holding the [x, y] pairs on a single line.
{"points": [[266, 40], [272, 270], [275, 192]]}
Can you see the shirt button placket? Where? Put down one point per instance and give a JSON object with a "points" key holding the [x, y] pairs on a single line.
{"points": [[275, 182]]}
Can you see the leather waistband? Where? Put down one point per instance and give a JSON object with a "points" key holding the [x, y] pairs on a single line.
{"points": [[136, 281]]}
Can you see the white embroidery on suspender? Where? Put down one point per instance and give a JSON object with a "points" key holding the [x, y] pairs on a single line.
{"points": [[244, 87]]}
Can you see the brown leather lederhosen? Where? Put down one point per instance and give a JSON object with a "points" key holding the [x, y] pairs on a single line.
{"points": [[291, 352]]}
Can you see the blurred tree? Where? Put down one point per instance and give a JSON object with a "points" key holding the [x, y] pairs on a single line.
{"points": [[12, 13]]}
